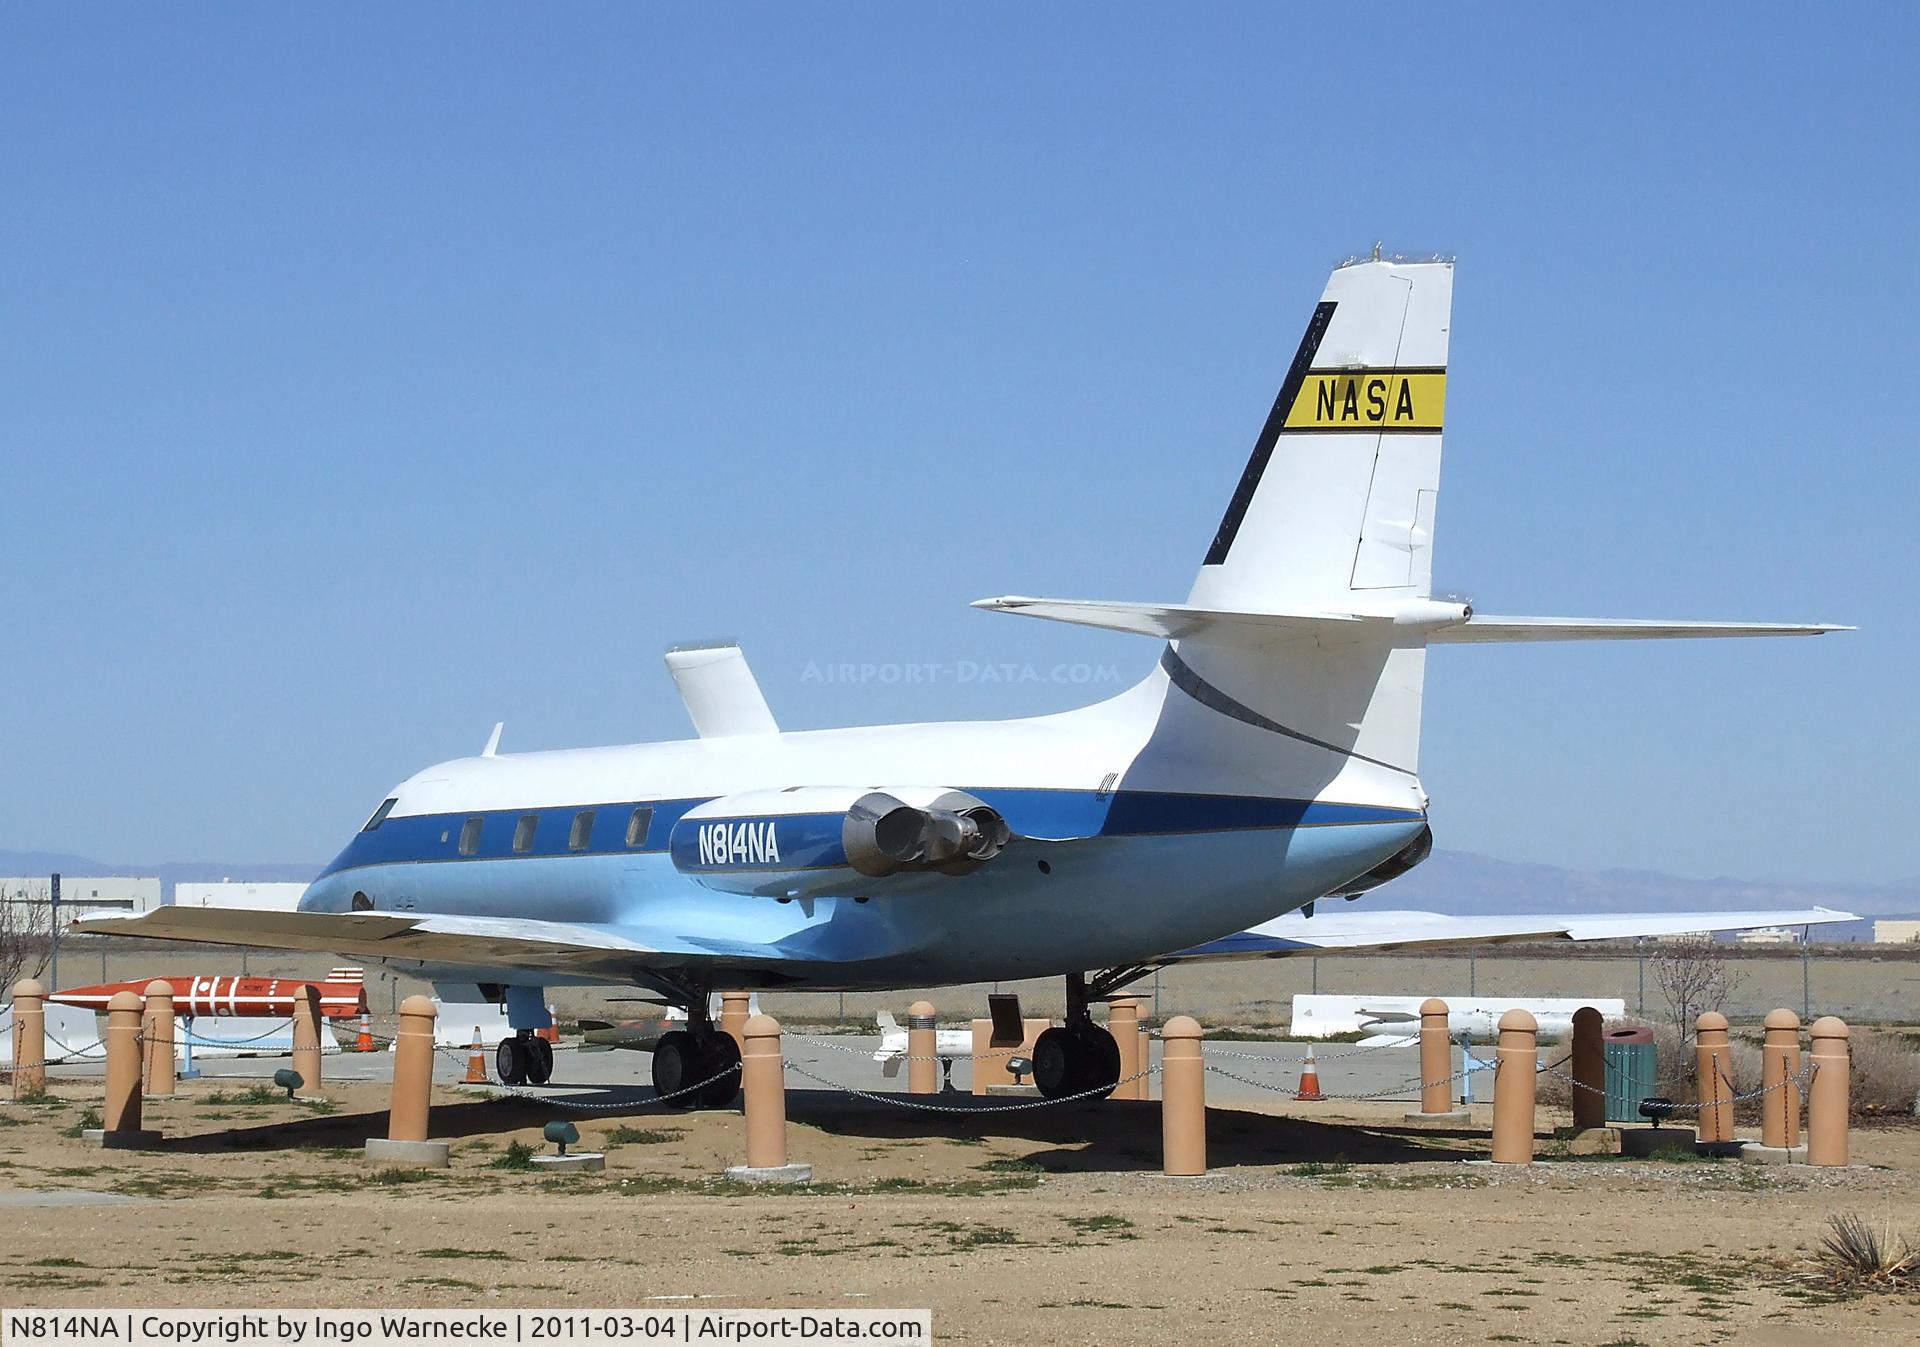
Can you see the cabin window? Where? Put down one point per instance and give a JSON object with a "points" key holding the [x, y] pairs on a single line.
{"points": [[523, 832], [582, 831], [380, 815], [637, 826], [470, 835]]}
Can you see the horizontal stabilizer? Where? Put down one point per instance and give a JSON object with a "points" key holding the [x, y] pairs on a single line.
{"points": [[1363, 932], [1442, 622], [1512, 629]]}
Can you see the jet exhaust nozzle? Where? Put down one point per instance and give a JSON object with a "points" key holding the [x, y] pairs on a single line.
{"points": [[883, 835]]}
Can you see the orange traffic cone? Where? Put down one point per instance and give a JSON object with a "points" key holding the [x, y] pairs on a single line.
{"points": [[364, 1042], [476, 1061], [1309, 1079]]}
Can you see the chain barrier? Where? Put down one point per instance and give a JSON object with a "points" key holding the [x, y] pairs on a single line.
{"points": [[1802, 1079], [815, 1042], [902, 1101], [561, 1101], [1398, 1091], [201, 1041]]}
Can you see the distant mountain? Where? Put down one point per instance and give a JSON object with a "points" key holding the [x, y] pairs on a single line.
{"points": [[1458, 882]]}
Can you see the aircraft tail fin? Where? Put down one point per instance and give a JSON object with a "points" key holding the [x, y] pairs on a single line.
{"points": [[1333, 520]]}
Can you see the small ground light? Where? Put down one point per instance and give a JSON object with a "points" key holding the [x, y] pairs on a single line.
{"points": [[562, 1134], [289, 1080], [1656, 1109], [1019, 1066]]}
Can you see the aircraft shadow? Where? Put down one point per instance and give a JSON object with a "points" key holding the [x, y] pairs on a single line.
{"points": [[1113, 1136], [1124, 1134]]}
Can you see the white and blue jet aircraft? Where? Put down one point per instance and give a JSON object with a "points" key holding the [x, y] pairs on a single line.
{"points": [[1268, 760]]}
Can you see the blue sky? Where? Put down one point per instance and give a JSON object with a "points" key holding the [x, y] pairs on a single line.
{"points": [[366, 377]]}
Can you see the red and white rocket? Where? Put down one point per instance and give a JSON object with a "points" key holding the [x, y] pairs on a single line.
{"points": [[343, 994]]}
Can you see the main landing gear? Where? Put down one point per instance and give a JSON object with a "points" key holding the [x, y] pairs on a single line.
{"points": [[1079, 1056], [698, 1066], [524, 1059]]}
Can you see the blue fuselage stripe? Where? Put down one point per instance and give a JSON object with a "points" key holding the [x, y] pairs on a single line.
{"points": [[1051, 814]]}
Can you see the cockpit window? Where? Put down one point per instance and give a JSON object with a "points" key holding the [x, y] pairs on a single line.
{"points": [[523, 832], [380, 814], [582, 832], [470, 835], [637, 825]]}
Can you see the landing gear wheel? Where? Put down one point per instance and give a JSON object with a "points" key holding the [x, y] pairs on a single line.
{"points": [[1103, 1061], [724, 1056], [1075, 1059], [539, 1060], [1056, 1062], [676, 1065], [510, 1061]]}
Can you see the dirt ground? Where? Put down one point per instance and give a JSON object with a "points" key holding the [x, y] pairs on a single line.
{"points": [[1052, 1226]]}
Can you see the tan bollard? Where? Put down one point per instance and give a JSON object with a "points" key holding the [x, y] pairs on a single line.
{"points": [[29, 1039], [763, 1084], [1589, 1069], [1828, 1094], [406, 1140], [923, 1050], [1123, 1022], [306, 1036], [412, 1071], [156, 1045], [1436, 1057], [1516, 1064], [1183, 1099], [122, 1112], [1713, 1077], [1779, 1076], [733, 1017]]}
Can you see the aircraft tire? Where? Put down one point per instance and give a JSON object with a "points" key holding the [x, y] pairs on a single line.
{"points": [[1057, 1054], [510, 1061], [539, 1061], [724, 1053], [1102, 1061], [676, 1065]]}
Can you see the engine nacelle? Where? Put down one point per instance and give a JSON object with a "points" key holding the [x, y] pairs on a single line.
{"points": [[833, 839]]}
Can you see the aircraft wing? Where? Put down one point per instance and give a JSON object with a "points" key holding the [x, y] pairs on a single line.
{"points": [[611, 953], [1366, 932]]}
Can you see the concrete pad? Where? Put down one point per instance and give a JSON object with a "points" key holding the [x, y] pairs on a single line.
{"points": [[778, 1174], [1016, 1091], [582, 1162], [1590, 1140], [412, 1154], [143, 1140], [1454, 1117], [67, 1197], [1638, 1143], [1755, 1154]]}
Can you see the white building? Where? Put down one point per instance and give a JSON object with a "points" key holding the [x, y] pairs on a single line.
{"points": [[1901, 932], [1769, 935], [246, 897], [28, 898]]}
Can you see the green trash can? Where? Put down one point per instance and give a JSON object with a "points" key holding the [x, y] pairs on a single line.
{"points": [[1631, 1072]]}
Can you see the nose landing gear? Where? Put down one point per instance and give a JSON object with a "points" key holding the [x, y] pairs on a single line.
{"points": [[524, 1059]]}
